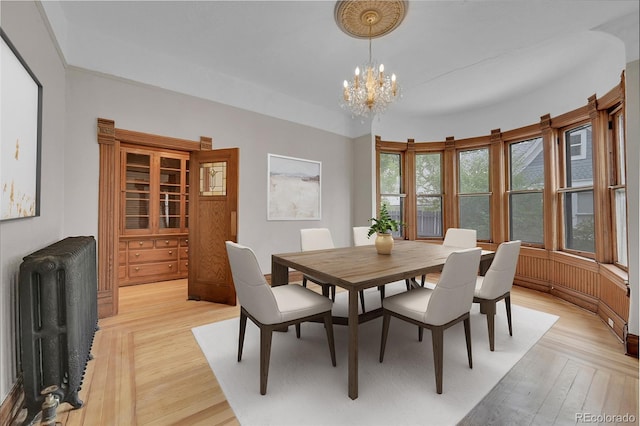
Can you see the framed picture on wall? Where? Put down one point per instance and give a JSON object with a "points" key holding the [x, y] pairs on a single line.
{"points": [[294, 191], [20, 135]]}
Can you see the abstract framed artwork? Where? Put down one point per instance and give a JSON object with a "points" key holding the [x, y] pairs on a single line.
{"points": [[295, 190], [20, 135]]}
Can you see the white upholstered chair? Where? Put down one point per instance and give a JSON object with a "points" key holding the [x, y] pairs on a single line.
{"points": [[320, 239], [460, 238], [272, 308], [438, 309], [361, 236], [496, 285]]}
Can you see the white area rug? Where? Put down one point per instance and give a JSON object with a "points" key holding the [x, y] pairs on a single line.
{"points": [[305, 389]]}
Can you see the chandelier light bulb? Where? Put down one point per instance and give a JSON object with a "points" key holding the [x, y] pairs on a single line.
{"points": [[381, 68]]}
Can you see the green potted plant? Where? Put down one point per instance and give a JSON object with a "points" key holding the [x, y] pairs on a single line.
{"points": [[383, 225]]}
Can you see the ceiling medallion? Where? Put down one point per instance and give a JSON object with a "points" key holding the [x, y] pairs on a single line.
{"points": [[372, 92]]}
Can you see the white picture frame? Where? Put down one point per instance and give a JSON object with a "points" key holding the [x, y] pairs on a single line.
{"points": [[20, 135], [294, 189]]}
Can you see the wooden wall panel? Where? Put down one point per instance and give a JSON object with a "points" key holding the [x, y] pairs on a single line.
{"points": [[533, 269], [575, 279], [614, 302]]}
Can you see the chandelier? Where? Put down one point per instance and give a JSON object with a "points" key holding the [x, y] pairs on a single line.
{"points": [[370, 90]]}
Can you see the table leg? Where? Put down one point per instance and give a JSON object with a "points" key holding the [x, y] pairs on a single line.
{"points": [[279, 274], [353, 344]]}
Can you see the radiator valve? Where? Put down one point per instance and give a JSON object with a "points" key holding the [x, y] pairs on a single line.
{"points": [[49, 406]]}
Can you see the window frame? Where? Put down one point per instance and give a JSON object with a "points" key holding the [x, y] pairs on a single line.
{"points": [[563, 189], [488, 194], [509, 191]]}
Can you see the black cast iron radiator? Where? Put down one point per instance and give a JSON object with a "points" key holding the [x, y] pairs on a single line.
{"points": [[58, 289]]}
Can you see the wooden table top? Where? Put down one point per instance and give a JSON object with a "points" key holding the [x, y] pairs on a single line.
{"points": [[357, 268]]}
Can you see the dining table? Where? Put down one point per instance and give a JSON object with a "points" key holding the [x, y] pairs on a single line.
{"points": [[360, 267]]}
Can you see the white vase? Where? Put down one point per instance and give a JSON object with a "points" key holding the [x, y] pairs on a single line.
{"points": [[384, 243]]}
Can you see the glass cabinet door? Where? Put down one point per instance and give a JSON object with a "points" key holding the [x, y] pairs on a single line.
{"points": [[171, 190], [137, 191]]}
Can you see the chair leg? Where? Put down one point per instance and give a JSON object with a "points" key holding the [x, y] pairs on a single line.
{"points": [[243, 327], [507, 303], [422, 280], [304, 282], [265, 353], [328, 326], [437, 341], [467, 336], [381, 290], [490, 311], [408, 284], [362, 300], [386, 319], [298, 330], [420, 333], [333, 292]]}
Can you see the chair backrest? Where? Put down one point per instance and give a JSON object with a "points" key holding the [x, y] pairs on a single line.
{"points": [[499, 278], [315, 239], [453, 295], [459, 237], [361, 237], [252, 289]]}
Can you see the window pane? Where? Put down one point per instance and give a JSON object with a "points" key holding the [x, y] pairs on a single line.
{"points": [[395, 207], [429, 216], [621, 225], [527, 165], [474, 214], [579, 225], [428, 175], [390, 173], [474, 171], [526, 217], [579, 165]]}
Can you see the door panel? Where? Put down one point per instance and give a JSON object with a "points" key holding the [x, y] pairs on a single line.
{"points": [[213, 206]]}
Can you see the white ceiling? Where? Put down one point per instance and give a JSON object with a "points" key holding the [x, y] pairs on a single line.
{"points": [[288, 58]]}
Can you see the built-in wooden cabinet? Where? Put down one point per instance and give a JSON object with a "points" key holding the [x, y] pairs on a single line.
{"points": [[154, 217]]}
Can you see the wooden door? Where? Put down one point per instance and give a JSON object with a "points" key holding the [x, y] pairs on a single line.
{"points": [[213, 215]]}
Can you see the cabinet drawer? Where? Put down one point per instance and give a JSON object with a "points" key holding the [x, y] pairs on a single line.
{"points": [[157, 255], [184, 242], [122, 272], [184, 252], [184, 266], [148, 269], [166, 242], [140, 244]]}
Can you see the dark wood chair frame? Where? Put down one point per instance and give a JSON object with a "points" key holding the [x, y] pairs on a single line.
{"points": [[437, 338], [488, 307], [266, 334]]}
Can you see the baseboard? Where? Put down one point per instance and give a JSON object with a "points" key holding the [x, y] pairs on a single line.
{"points": [[11, 407], [632, 345]]}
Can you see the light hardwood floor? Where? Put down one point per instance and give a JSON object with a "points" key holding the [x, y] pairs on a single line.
{"points": [[148, 368]]}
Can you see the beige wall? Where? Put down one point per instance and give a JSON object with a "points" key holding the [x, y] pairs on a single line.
{"points": [[24, 26]]}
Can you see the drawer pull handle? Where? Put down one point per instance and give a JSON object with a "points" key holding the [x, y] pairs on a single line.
{"points": [[141, 242], [170, 251], [166, 241], [170, 266], [137, 254], [137, 269]]}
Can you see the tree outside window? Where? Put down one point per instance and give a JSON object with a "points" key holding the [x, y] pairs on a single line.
{"points": [[473, 191]]}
